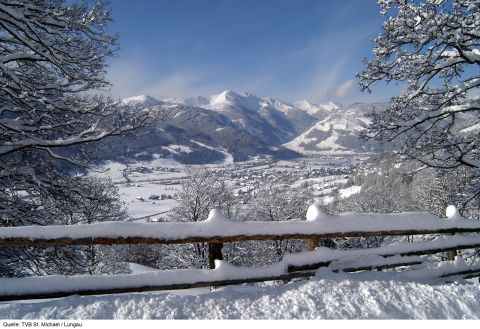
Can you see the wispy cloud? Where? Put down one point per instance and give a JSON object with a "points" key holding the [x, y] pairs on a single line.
{"points": [[333, 77], [178, 84], [134, 77], [345, 89], [320, 86], [126, 78]]}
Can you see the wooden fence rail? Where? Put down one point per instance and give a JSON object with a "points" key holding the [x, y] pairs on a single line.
{"points": [[408, 249], [473, 271], [108, 291], [105, 240]]}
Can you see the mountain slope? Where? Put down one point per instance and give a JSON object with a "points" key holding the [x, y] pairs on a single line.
{"points": [[338, 132], [217, 130], [318, 111], [141, 100], [273, 121], [190, 135]]}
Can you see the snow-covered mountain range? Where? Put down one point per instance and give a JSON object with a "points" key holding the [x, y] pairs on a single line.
{"points": [[273, 121], [245, 125], [228, 100]]}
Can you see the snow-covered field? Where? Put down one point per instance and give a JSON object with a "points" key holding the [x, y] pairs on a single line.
{"points": [[331, 296], [138, 181], [139, 208]]}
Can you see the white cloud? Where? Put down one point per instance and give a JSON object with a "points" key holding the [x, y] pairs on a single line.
{"points": [[345, 89], [126, 78], [136, 77], [326, 77], [179, 84], [333, 67]]}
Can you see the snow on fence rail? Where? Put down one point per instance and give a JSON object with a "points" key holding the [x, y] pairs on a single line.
{"points": [[218, 229], [322, 256]]}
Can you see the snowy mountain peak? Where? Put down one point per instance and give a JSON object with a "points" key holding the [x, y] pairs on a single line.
{"points": [[141, 100], [219, 102], [232, 95], [330, 106], [315, 109], [303, 104], [306, 106], [230, 98], [224, 96]]}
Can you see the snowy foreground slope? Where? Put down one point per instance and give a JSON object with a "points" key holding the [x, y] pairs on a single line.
{"points": [[331, 296]]}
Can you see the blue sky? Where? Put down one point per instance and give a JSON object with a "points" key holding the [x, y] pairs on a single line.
{"points": [[288, 49]]}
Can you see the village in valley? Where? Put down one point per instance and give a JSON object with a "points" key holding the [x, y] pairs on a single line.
{"points": [[149, 189]]}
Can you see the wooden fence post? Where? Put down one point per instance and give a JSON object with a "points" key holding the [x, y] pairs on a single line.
{"points": [[313, 243], [451, 254], [452, 213], [214, 252]]}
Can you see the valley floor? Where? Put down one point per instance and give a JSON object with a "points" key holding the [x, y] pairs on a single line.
{"points": [[331, 296]]}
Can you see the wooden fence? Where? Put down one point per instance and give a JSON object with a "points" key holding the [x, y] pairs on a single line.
{"points": [[218, 230]]}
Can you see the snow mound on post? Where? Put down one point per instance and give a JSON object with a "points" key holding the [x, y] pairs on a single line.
{"points": [[452, 213], [315, 213], [216, 216], [459, 262]]}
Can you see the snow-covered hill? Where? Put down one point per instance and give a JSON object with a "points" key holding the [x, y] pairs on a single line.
{"points": [[338, 133]]}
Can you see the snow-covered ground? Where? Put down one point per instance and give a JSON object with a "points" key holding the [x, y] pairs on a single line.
{"points": [[330, 296], [138, 181], [349, 191], [228, 157], [136, 198]]}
